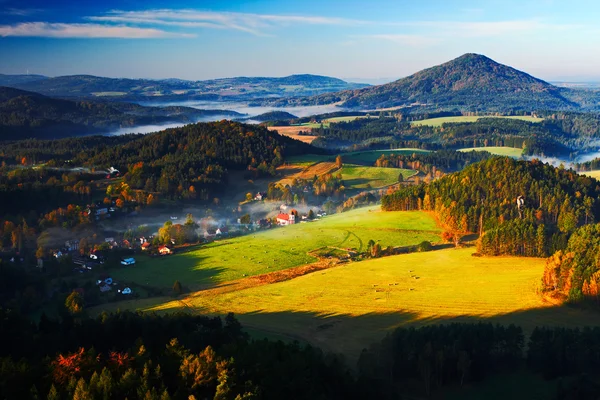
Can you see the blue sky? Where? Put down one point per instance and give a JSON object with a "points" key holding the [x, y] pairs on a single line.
{"points": [[554, 40]]}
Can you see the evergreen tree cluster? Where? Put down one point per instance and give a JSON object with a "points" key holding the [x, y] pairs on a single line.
{"points": [[431, 162], [175, 162], [483, 198], [560, 133], [574, 273], [145, 356]]}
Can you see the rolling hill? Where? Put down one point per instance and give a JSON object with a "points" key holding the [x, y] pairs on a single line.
{"points": [[31, 115], [470, 82], [88, 86]]}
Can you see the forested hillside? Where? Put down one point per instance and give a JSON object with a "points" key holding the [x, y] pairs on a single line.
{"points": [[191, 161], [558, 134], [483, 198], [575, 272], [151, 357], [185, 357], [30, 115]]}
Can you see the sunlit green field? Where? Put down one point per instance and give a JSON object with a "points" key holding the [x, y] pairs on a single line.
{"points": [[345, 308], [444, 120], [358, 177], [372, 156], [281, 248], [325, 123], [498, 150], [354, 157]]}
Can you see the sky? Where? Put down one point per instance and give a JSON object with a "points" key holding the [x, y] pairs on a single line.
{"points": [[356, 40]]}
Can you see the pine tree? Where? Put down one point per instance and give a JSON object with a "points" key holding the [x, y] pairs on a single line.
{"points": [[177, 289]]}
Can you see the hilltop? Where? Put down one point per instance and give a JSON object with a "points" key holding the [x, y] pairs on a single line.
{"points": [[472, 82]]}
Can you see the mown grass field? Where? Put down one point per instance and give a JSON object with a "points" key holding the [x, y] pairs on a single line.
{"points": [[498, 150], [444, 120], [280, 248], [345, 308]]}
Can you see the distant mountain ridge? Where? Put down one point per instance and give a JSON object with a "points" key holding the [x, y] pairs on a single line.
{"points": [[470, 82], [89, 86], [26, 114]]}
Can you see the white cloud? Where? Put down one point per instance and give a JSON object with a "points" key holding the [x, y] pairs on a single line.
{"points": [[166, 23], [60, 30], [255, 24], [21, 12]]}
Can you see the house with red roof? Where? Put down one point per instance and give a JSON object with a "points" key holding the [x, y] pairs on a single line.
{"points": [[286, 219]]}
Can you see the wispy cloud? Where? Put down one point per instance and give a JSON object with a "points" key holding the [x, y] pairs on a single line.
{"points": [[176, 23], [60, 30], [21, 12], [256, 24]]}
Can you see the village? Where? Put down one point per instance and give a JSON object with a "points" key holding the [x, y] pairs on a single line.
{"points": [[120, 249]]}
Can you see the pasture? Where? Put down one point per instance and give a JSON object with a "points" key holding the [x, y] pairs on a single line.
{"points": [[294, 133], [591, 174], [369, 157], [356, 177], [345, 308], [356, 157], [513, 152], [280, 248], [448, 120]]}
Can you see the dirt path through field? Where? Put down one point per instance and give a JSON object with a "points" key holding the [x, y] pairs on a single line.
{"points": [[264, 279]]}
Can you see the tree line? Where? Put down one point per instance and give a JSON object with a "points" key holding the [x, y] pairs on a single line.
{"points": [[558, 134], [483, 199], [182, 356]]}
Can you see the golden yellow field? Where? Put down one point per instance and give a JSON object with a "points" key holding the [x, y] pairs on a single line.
{"points": [[292, 132], [345, 308]]}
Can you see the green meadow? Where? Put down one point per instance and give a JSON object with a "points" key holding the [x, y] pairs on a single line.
{"points": [[498, 150], [447, 120], [280, 248], [345, 308]]}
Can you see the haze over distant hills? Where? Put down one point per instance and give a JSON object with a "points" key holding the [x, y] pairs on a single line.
{"points": [[121, 89], [470, 82], [26, 114]]}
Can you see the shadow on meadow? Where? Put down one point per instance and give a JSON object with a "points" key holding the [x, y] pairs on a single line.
{"points": [[348, 334]]}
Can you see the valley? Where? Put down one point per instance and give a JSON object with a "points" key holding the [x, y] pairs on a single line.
{"points": [[345, 306], [432, 237]]}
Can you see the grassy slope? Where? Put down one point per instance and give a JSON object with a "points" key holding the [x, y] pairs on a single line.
{"points": [[358, 177], [373, 155], [280, 248], [443, 120], [501, 151], [348, 307]]}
